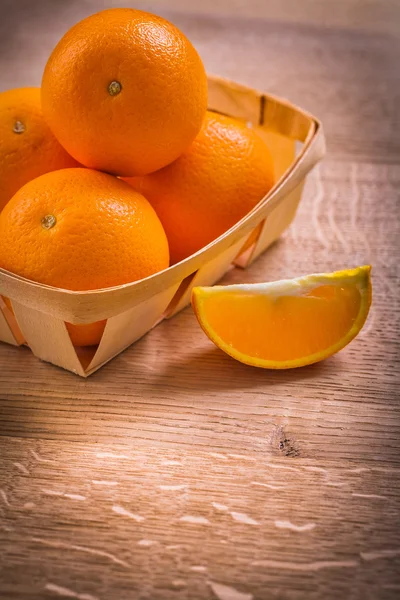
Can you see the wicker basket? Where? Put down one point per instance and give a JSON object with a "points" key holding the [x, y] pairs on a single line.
{"points": [[297, 143]]}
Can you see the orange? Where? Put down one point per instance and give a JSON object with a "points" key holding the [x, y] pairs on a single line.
{"points": [[27, 146], [286, 324], [79, 229], [124, 91], [217, 181]]}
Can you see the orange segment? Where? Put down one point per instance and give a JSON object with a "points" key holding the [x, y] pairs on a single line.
{"points": [[286, 324]]}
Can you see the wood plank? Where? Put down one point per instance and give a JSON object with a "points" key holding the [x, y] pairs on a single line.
{"points": [[121, 519]]}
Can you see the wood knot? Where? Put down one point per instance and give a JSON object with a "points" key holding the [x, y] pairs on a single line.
{"points": [[283, 443]]}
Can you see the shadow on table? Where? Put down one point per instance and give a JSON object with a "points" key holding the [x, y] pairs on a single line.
{"points": [[212, 370], [153, 394]]}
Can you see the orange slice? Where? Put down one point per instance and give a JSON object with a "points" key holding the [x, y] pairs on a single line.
{"points": [[289, 323]]}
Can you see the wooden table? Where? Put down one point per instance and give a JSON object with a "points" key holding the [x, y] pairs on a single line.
{"points": [[175, 472]]}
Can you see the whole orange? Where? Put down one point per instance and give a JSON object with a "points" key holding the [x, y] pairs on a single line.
{"points": [[124, 91], [79, 229], [217, 181], [27, 146]]}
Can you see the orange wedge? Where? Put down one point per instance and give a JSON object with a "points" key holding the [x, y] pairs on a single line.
{"points": [[289, 323]]}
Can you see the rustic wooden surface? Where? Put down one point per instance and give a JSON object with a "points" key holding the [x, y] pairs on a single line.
{"points": [[175, 472]]}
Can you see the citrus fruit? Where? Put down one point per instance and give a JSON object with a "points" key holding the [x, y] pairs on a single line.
{"points": [[27, 146], [86, 335], [124, 91], [289, 323], [217, 181], [80, 229]]}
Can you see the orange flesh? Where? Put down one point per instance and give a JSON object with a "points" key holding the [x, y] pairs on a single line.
{"points": [[283, 328]]}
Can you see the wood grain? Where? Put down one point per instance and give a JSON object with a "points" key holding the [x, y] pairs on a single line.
{"points": [[175, 472]]}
